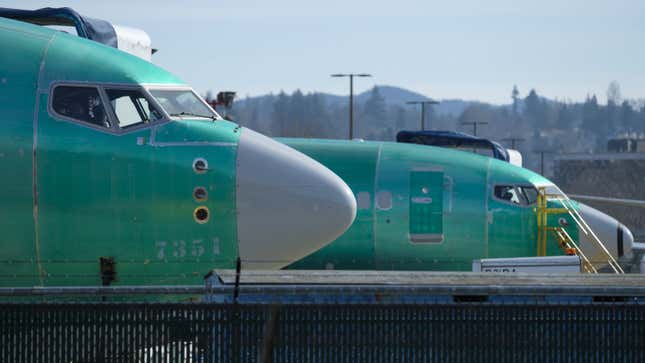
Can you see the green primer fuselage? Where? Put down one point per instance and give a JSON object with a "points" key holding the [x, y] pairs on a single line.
{"points": [[424, 208], [71, 194]]}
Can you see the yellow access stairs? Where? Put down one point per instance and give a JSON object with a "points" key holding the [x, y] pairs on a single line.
{"points": [[589, 264]]}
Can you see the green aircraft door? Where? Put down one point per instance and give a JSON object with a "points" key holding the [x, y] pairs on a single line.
{"points": [[426, 206], [410, 223]]}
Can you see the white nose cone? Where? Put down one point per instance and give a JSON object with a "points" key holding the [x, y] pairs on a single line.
{"points": [[289, 205], [617, 239], [628, 240]]}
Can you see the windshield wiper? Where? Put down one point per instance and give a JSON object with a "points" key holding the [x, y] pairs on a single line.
{"points": [[180, 114]]}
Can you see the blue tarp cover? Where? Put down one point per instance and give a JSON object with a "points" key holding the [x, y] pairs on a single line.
{"points": [[452, 139], [95, 29]]}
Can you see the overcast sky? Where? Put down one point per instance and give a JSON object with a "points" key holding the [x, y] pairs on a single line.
{"points": [[467, 49]]}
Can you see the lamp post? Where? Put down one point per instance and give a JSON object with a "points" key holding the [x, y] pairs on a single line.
{"points": [[423, 110], [542, 152], [351, 97], [514, 140], [474, 123]]}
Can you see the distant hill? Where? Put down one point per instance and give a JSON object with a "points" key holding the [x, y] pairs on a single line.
{"points": [[391, 94], [381, 112]]}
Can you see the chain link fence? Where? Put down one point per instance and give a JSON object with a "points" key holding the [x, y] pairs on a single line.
{"points": [[211, 332]]}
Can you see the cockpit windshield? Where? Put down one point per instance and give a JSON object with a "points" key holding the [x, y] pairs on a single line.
{"points": [[182, 103], [529, 193], [516, 194]]}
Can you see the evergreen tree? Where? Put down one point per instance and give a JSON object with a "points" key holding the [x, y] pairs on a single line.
{"points": [[296, 118], [253, 122], [627, 117], [515, 95], [613, 112], [533, 109], [613, 93], [567, 127], [590, 112], [280, 115], [399, 117], [316, 118], [594, 122], [565, 117], [375, 114]]}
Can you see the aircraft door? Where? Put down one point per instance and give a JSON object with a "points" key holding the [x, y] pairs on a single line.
{"points": [[426, 206], [410, 222]]}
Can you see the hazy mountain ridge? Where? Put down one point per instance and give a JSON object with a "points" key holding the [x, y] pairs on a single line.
{"points": [[541, 123], [392, 95]]}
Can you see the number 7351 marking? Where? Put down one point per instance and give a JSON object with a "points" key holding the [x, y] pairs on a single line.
{"points": [[180, 249]]}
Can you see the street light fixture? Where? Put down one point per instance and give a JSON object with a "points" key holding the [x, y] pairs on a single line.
{"points": [[423, 110], [351, 97]]}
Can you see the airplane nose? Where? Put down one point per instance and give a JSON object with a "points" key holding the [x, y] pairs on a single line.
{"points": [[289, 205], [627, 238], [617, 238]]}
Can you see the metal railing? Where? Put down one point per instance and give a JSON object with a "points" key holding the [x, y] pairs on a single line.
{"points": [[565, 241]]}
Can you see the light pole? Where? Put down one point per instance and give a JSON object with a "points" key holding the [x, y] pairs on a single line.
{"points": [[542, 152], [474, 123], [423, 110], [514, 140], [351, 97]]}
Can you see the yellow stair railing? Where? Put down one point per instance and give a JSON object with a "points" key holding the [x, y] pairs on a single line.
{"points": [[564, 240]]}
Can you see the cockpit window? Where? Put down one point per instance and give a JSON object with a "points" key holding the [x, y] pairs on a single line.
{"points": [[507, 193], [80, 103], [119, 108], [530, 193], [520, 195], [182, 103], [131, 107]]}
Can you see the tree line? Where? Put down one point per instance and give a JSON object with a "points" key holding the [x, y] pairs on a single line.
{"points": [[542, 124]]}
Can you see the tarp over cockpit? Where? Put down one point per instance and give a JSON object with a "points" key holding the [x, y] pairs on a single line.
{"points": [[95, 29], [133, 41], [453, 139]]}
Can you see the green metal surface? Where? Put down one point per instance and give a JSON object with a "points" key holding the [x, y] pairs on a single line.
{"points": [[440, 213], [18, 80], [73, 194], [355, 247], [426, 203]]}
